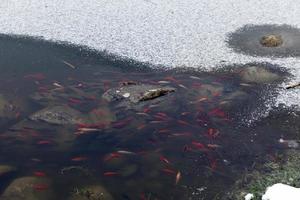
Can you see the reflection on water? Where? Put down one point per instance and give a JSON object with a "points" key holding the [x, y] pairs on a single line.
{"points": [[76, 126]]}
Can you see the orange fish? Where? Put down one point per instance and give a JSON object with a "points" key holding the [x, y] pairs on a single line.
{"points": [[79, 158], [178, 177], [183, 122], [110, 173], [164, 131], [213, 164], [39, 174], [164, 159], [168, 171], [42, 142], [217, 112], [198, 145], [36, 76], [213, 133], [112, 156]]}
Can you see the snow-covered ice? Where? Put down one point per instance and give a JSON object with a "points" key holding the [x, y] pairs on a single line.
{"points": [[169, 33], [281, 191]]}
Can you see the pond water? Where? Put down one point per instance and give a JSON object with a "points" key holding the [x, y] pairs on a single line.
{"points": [[78, 125]]}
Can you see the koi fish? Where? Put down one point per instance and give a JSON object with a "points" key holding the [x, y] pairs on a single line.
{"points": [[121, 123], [162, 114], [36, 76], [217, 112], [156, 122], [164, 159], [183, 122], [182, 134], [141, 127], [126, 152], [39, 174], [69, 64], [146, 110], [163, 82], [168, 171], [57, 85], [213, 164], [198, 145], [112, 156], [213, 133], [79, 158], [164, 131], [40, 187], [178, 177], [213, 146], [186, 148], [185, 113], [74, 101], [195, 77], [110, 173], [182, 86], [170, 78], [44, 142]]}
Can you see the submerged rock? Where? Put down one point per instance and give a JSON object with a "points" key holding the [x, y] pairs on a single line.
{"points": [[266, 40], [93, 192], [28, 188], [258, 75], [129, 170], [271, 40], [59, 115], [137, 93]]}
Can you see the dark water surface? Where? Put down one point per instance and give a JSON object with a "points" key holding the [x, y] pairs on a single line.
{"points": [[197, 133]]}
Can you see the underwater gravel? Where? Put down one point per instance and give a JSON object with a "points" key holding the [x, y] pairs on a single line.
{"points": [[168, 33]]}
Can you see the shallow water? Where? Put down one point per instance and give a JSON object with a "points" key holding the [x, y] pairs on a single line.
{"points": [[135, 152]]}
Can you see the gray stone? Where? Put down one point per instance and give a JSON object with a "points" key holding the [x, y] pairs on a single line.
{"points": [[93, 192], [59, 115], [271, 40], [28, 188], [258, 75], [136, 93]]}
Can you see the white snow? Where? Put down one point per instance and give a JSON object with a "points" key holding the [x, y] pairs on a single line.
{"points": [[249, 196], [169, 33], [281, 191]]}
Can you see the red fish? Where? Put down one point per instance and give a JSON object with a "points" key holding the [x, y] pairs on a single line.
{"points": [[140, 127], [164, 131], [110, 173], [186, 148], [146, 110], [40, 187], [74, 101], [213, 164], [168, 171], [36, 76], [213, 133], [182, 134], [44, 142], [79, 158], [39, 174], [217, 112], [171, 78], [112, 156], [164, 159], [121, 123], [198, 145], [178, 177], [183, 122]]}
